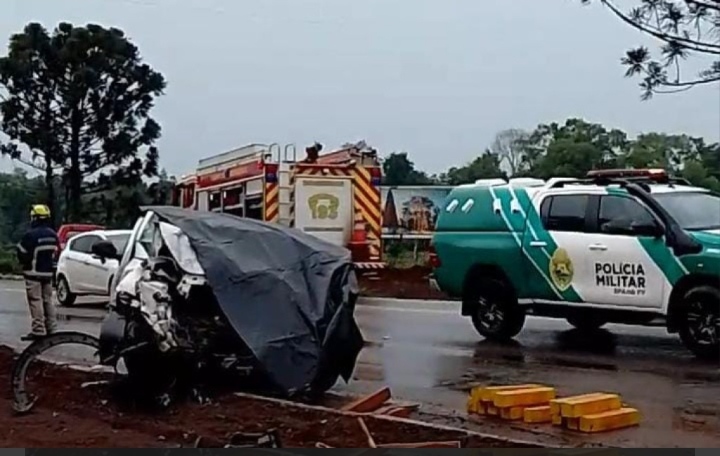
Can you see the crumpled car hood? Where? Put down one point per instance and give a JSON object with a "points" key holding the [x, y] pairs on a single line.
{"points": [[289, 296]]}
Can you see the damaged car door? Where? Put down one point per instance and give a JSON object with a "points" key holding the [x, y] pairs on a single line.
{"points": [[114, 325]]}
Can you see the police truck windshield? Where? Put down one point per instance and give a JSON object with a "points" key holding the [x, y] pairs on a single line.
{"points": [[693, 211]]}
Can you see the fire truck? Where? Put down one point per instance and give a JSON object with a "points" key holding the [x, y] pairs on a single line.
{"points": [[334, 196]]}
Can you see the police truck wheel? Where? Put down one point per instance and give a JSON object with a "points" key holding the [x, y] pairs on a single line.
{"points": [[496, 314], [63, 293], [586, 322], [700, 325]]}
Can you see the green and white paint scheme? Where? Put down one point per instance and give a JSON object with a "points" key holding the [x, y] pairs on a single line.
{"points": [[499, 225]]}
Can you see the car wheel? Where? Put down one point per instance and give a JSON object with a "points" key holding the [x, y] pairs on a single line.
{"points": [[586, 322], [64, 296], [700, 324], [496, 314]]}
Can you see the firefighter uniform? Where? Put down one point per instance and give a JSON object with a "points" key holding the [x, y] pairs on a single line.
{"points": [[36, 252]]}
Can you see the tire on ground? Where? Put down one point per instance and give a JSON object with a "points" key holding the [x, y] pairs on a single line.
{"points": [[496, 314], [65, 298], [586, 322], [700, 321]]}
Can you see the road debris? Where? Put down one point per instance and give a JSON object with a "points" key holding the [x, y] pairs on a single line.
{"points": [[370, 440], [85, 422], [380, 403], [373, 444], [448, 444], [268, 439], [537, 404], [594, 412], [369, 403]]}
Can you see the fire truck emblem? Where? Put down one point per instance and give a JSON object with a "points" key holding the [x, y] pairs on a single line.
{"points": [[324, 206]]}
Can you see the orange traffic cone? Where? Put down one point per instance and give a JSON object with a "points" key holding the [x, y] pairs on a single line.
{"points": [[359, 246]]}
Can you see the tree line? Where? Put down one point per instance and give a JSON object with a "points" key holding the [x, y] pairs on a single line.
{"points": [[570, 149]]}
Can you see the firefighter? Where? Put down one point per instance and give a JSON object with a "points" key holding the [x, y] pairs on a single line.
{"points": [[36, 253]]}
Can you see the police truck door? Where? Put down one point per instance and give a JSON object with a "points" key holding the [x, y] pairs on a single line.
{"points": [[627, 266], [324, 207]]}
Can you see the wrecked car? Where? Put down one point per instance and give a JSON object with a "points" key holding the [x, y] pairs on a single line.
{"points": [[199, 292]]}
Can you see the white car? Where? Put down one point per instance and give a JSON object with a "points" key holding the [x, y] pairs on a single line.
{"points": [[80, 273]]}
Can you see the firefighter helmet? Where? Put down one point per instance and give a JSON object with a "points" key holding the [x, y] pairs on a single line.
{"points": [[40, 211]]}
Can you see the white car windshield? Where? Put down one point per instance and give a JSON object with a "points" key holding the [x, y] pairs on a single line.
{"points": [[692, 210]]}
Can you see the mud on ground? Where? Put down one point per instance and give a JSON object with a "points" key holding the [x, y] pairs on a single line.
{"points": [[408, 283], [67, 415]]}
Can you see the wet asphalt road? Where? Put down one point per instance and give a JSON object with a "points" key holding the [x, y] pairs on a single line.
{"points": [[429, 354]]}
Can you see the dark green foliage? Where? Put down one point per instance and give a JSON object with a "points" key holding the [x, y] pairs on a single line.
{"points": [[399, 170], [76, 104], [683, 28]]}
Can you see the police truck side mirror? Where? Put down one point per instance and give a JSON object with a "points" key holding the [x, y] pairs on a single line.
{"points": [[105, 250]]}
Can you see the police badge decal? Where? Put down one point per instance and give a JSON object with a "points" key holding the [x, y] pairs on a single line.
{"points": [[561, 269]]}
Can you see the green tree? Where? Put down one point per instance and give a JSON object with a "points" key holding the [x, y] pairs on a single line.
{"points": [[709, 155], [399, 170], [486, 166], [660, 150], [18, 192], [684, 28], [572, 148], [78, 101], [120, 206], [697, 174]]}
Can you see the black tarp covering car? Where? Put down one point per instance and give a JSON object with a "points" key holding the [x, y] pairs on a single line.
{"points": [[289, 296]]}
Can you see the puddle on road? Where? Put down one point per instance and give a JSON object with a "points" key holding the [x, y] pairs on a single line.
{"points": [[582, 364], [702, 377]]}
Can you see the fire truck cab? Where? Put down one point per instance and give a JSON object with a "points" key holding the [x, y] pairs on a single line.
{"points": [[335, 196]]}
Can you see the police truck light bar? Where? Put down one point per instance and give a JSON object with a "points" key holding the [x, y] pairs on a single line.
{"points": [[653, 173]]}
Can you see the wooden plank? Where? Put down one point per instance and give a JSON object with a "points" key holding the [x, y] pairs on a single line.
{"points": [[534, 415], [452, 444], [474, 402], [370, 440], [486, 392], [288, 406], [512, 413], [590, 405], [523, 397], [400, 412], [571, 423], [609, 421], [556, 404], [383, 410], [370, 402]]}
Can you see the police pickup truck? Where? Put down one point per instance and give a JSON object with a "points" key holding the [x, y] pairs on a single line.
{"points": [[634, 247]]}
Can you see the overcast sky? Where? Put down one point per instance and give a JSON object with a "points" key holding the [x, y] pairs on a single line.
{"points": [[435, 78]]}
